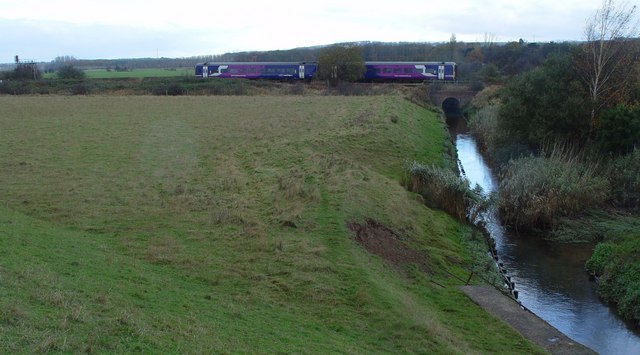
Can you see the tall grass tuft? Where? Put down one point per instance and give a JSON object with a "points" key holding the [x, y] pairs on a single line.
{"points": [[484, 126], [537, 192], [441, 189], [624, 174]]}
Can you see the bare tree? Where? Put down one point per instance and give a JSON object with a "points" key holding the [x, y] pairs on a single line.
{"points": [[489, 39], [608, 56]]}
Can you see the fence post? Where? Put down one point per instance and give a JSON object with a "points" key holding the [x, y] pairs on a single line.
{"points": [[469, 279]]}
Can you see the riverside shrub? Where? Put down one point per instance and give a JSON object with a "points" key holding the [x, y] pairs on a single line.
{"points": [[536, 192], [624, 175], [442, 189], [618, 268], [484, 125], [546, 103], [619, 131]]}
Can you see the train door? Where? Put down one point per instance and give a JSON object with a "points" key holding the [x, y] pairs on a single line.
{"points": [[301, 71], [205, 71], [421, 69], [441, 72]]}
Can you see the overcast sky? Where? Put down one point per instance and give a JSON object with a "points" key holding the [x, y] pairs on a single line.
{"points": [[43, 30]]}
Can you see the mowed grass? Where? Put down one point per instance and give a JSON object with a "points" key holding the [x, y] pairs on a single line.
{"points": [[218, 224]]}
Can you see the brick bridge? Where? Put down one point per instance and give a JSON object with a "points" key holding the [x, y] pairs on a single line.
{"points": [[452, 97]]}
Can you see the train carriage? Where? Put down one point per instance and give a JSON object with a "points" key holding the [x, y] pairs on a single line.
{"points": [[256, 70], [410, 71]]}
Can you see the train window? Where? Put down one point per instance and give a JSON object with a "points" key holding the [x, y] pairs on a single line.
{"points": [[224, 70], [243, 70], [388, 70], [397, 70], [251, 70], [408, 70], [233, 71], [378, 70]]}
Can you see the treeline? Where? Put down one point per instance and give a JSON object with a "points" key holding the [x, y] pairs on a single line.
{"points": [[486, 61]]}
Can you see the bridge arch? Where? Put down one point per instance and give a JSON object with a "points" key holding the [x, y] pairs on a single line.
{"points": [[451, 107], [453, 97]]}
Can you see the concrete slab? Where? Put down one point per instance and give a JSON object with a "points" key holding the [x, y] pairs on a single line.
{"points": [[526, 323]]}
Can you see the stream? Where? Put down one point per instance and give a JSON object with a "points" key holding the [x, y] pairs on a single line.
{"points": [[549, 277]]}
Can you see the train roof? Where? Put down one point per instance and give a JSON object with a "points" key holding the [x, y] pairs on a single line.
{"points": [[256, 63], [409, 63], [311, 62]]}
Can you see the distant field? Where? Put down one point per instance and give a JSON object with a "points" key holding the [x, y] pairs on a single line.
{"points": [[219, 224], [139, 73], [135, 73]]}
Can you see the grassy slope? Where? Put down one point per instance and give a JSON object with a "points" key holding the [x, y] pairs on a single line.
{"points": [[219, 224]]}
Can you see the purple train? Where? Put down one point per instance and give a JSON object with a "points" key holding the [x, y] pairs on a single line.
{"points": [[410, 71], [375, 71], [257, 70]]}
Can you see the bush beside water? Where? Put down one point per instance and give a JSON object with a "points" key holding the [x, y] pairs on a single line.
{"points": [[442, 189], [536, 192], [484, 125], [624, 174], [617, 266]]}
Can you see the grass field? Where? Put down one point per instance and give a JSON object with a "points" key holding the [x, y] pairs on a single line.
{"points": [[219, 224], [135, 73]]}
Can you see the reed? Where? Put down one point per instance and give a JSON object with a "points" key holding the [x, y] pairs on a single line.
{"points": [[623, 173], [442, 189], [483, 125], [537, 192]]}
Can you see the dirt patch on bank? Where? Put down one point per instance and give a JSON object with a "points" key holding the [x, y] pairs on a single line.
{"points": [[380, 240]]}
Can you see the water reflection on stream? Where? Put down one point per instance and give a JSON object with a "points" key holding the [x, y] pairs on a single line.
{"points": [[550, 277]]}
